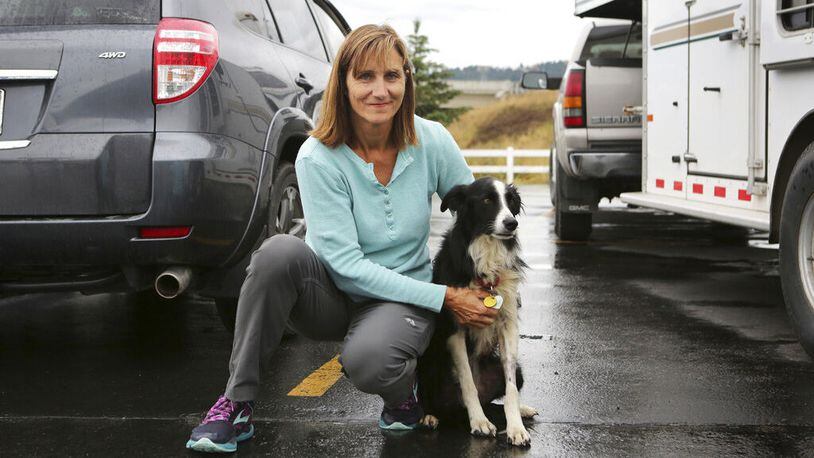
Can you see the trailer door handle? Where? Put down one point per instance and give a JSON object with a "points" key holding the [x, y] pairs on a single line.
{"points": [[629, 110], [712, 89], [688, 158]]}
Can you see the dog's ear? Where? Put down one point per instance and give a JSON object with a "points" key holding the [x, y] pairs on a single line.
{"points": [[455, 198], [513, 199]]}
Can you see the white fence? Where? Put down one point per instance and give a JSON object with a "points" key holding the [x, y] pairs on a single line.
{"points": [[509, 154]]}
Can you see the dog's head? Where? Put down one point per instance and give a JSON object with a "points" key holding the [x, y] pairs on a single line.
{"points": [[487, 206]]}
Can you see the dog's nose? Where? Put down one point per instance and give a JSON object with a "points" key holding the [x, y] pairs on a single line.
{"points": [[510, 223]]}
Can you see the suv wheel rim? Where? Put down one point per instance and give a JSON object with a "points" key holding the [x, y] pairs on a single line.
{"points": [[290, 219], [805, 250]]}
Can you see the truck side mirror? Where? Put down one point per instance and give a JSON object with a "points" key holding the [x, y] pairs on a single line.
{"points": [[539, 80]]}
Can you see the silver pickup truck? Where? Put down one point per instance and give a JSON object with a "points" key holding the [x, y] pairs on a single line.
{"points": [[597, 144]]}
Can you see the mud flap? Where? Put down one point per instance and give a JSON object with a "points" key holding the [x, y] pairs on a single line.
{"points": [[575, 195]]}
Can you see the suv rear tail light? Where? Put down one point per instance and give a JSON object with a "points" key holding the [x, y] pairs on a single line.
{"points": [[184, 53], [573, 109]]}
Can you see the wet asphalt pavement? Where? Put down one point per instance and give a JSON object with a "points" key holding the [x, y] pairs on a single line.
{"points": [[663, 335]]}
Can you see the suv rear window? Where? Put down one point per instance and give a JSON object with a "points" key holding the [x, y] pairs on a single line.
{"points": [[613, 42], [75, 12]]}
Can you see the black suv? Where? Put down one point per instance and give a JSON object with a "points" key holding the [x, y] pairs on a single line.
{"points": [[150, 143]]}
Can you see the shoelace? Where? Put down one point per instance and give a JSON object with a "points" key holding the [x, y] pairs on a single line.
{"points": [[408, 404], [222, 410]]}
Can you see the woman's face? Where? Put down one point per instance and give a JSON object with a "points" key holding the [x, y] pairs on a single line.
{"points": [[377, 90]]}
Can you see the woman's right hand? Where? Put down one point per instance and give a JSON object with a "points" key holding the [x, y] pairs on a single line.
{"points": [[467, 307]]}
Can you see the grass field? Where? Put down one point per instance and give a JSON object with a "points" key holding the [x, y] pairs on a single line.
{"points": [[521, 121]]}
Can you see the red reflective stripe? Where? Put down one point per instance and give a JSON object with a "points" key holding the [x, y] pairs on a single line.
{"points": [[697, 188], [164, 232], [720, 191], [659, 183], [678, 186], [743, 195]]}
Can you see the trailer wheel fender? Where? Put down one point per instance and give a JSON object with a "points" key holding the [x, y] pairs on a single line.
{"points": [[796, 144]]}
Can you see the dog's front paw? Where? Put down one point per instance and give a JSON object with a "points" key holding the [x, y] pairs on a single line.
{"points": [[482, 427], [518, 436], [527, 412], [429, 421]]}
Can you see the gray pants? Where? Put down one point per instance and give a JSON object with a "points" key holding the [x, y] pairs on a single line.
{"points": [[286, 283]]}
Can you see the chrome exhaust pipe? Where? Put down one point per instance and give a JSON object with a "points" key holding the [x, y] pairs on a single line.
{"points": [[173, 281]]}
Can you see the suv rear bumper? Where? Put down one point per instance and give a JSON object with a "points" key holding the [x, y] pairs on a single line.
{"points": [[592, 164], [208, 182]]}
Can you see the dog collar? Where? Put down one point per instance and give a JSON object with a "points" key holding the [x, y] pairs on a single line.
{"points": [[483, 284]]}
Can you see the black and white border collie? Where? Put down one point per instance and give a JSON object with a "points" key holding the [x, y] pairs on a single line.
{"points": [[465, 368]]}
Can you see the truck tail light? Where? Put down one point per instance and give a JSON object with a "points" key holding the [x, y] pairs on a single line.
{"points": [[573, 103], [184, 53]]}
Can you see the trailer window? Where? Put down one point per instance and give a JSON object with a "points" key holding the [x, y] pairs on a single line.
{"points": [[796, 14]]}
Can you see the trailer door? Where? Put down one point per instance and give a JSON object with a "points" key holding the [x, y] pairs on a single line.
{"points": [[666, 83], [718, 92]]}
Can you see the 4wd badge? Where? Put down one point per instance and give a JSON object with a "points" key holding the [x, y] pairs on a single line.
{"points": [[113, 55]]}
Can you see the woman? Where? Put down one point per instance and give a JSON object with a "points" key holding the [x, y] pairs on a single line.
{"points": [[366, 176]]}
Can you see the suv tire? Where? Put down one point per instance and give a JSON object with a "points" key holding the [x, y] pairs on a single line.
{"points": [[285, 216], [568, 226], [796, 244]]}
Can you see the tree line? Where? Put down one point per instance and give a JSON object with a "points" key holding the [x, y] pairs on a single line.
{"points": [[488, 73], [431, 87]]}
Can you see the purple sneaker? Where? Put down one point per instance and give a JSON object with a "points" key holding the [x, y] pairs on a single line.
{"points": [[226, 424], [404, 417]]}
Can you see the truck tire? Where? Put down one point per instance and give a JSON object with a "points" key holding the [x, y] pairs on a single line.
{"points": [[574, 227], [797, 248], [285, 216]]}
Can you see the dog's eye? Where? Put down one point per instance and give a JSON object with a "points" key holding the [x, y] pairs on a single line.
{"points": [[487, 201]]}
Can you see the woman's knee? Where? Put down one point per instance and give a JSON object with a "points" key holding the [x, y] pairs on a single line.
{"points": [[278, 253], [371, 367]]}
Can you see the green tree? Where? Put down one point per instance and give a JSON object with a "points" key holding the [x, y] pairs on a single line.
{"points": [[431, 87]]}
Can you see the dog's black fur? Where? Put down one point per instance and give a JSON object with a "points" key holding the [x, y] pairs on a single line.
{"points": [[476, 207]]}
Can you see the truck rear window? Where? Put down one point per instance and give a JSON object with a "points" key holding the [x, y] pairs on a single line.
{"points": [[76, 12], [613, 42]]}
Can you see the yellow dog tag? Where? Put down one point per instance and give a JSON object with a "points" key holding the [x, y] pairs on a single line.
{"points": [[495, 301]]}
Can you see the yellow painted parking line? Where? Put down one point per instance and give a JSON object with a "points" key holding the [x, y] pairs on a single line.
{"points": [[320, 380]]}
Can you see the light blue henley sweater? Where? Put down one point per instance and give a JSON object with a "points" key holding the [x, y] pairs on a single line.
{"points": [[372, 238]]}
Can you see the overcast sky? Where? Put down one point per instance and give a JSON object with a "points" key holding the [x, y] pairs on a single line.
{"points": [[503, 33]]}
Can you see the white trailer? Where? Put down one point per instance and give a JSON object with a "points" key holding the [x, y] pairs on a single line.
{"points": [[728, 95]]}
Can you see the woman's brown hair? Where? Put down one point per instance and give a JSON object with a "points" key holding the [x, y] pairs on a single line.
{"points": [[368, 42]]}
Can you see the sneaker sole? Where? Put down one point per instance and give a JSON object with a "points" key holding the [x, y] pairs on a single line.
{"points": [[247, 435], [396, 426], [207, 446]]}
